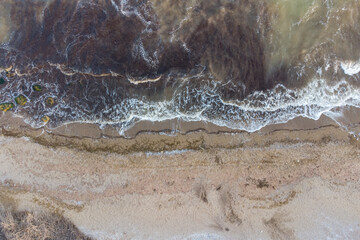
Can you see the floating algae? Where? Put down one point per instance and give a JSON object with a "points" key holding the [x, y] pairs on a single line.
{"points": [[50, 101], [21, 100], [6, 106], [37, 88]]}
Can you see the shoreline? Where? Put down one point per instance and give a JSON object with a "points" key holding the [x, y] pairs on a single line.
{"points": [[180, 135]]}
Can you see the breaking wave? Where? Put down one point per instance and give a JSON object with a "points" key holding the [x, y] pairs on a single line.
{"points": [[242, 65]]}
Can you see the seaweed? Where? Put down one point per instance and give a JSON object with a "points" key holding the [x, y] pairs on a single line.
{"points": [[50, 101], [37, 88], [6, 106], [45, 119], [21, 100]]}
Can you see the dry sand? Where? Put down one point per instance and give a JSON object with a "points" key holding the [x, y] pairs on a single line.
{"points": [[298, 180]]}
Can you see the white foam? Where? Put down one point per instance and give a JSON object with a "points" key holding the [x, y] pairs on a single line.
{"points": [[351, 67], [259, 109]]}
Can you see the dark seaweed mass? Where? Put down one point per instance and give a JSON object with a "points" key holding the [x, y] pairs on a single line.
{"points": [[85, 52], [96, 37]]}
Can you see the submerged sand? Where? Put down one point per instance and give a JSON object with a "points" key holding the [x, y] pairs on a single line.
{"points": [[298, 180]]}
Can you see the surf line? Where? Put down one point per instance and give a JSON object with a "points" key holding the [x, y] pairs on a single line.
{"points": [[71, 72], [149, 80]]}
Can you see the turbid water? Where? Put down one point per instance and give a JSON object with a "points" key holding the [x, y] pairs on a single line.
{"points": [[239, 64]]}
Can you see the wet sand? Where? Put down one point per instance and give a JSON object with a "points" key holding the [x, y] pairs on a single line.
{"points": [[298, 180], [177, 134]]}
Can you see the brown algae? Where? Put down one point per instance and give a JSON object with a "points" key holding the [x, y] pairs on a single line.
{"points": [[45, 119], [37, 88], [6, 106], [21, 100], [50, 101]]}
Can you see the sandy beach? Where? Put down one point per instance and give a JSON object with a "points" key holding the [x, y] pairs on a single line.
{"points": [[298, 180]]}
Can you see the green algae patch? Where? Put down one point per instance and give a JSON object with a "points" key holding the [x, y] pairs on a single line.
{"points": [[6, 106], [50, 101], [2, 81], [21, 100], [45, 119], [37, 88]]}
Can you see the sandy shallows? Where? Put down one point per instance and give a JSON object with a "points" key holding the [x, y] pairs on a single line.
{"points": [[283, 184]]}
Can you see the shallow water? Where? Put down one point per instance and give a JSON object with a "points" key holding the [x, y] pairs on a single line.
{"points": [[239, 64]]}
